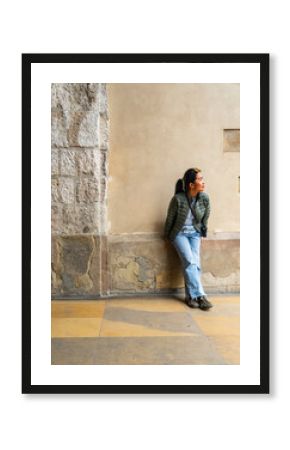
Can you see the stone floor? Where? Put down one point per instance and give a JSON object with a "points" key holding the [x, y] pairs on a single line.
{"points": [[159, 330]]}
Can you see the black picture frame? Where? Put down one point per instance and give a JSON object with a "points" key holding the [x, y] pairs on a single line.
{"points": [[263, 61]]}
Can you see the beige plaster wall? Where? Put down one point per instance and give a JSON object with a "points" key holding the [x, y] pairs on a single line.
{"points": [[157, 131]]}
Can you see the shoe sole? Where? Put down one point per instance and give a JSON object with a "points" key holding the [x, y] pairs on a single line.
{"points": [[192, 306], [205, 308]]}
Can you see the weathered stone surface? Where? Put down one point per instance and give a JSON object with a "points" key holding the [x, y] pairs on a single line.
{"points": [[66, 190], [69, 220], [54, 161], [67, 162], [76, 253], [104, 133], [103, 100], [76, 112], [78, 265], [148, 264], [54, 191], [87, 191], [79, 183], [88, 133], [170, 279], [79, 189], [71, 261], [221, 257], [87, 218], [56, 219], [75, 96], [74, 129], [84, 218], [230, 283], [87, 162], [56, 267], [138, 265]]}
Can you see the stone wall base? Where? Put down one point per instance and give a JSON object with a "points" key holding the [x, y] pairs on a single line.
{"points": [[79, 266], [88, 266]]}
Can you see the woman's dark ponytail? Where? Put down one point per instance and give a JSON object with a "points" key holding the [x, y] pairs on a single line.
{"points": [[182, 184], [179, 186]]}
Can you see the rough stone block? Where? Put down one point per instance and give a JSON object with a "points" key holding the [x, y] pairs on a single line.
{"points": [[104, 133], [67, 162], [103, 100], [55, 266], [77, 265], [56, 219], [78, 219], [74, 129], [87, 162], [87, 191], [54, 161], [54, 191], [88, 133], [76, 253], [87, 218], [66, 190], [59, 128], [141, 263], [69, 220], [74, 96], [137, 264], [75, 114], [79, 185]]}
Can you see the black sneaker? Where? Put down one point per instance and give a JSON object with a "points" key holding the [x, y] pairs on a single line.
{"points": [[204, 303], [192, 302]]}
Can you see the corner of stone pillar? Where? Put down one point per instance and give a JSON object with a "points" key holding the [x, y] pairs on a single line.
{"points": [[79, 170]]}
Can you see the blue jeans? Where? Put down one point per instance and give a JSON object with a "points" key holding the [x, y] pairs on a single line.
{"points": [[187, 245]]}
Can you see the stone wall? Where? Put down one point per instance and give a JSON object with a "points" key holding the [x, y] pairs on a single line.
{"points": [[88, 260], [79, 139], [144, 263]]}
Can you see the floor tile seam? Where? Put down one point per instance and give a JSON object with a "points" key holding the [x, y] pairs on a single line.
{"points": [[215, 350], [103, 318], [172, 335], [156, 311], [225, 336], [221, 335], [77, 317], [192, 313], [99, 338], [189, 313], [147, 310]]}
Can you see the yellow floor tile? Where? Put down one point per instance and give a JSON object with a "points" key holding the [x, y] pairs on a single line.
{"points": [[122, 329], [219, 326], [224, 299], [75, 327], [154, 305], [77, 308]]}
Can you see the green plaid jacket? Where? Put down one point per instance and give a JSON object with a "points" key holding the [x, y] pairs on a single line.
{"points": [[178, 210]]}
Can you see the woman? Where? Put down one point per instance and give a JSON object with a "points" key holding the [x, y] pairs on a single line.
{"points": [[185, 224]]}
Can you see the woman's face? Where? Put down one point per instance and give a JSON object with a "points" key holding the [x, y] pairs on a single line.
{"points": [[199, 184]]}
